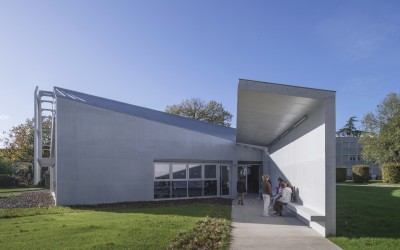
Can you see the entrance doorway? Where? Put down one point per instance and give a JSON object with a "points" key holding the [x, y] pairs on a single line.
{"points": [[252, 177]]}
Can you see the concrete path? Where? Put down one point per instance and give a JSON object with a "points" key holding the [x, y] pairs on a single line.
{"points": [[253, 231]]}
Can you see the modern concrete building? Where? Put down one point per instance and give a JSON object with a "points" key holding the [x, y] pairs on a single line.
{"points": [[105, 151], [349, 153]]}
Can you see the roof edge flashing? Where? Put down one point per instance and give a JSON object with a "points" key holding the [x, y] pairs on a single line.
{"points": [[283, 89]]}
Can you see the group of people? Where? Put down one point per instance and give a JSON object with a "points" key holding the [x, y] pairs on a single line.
{"points": [[275, 201]]}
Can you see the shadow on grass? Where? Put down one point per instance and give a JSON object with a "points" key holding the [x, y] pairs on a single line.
{"points": [[368, 212], [189, 207]]}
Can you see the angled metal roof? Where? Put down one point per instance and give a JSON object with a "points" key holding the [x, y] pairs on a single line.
{"points": [[267, 110], [149, 114]]}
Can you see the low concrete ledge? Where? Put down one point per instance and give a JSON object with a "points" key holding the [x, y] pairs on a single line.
{"points": [[308, 216], [305, 212]]}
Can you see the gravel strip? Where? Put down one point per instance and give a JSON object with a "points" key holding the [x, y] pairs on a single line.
{"points": [[41, 198]]}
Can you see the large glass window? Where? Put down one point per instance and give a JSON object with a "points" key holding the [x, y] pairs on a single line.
{"points": [[195, 188], [210, 171], [181, 180], [210, 188], [179, 189], [161, 171], [224, 180], [179, 171], [194, 171], [162, 189]]}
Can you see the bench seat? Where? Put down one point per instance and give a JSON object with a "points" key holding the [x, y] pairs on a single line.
{"points": [[305, 212]]}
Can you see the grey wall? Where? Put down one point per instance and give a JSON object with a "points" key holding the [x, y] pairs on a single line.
{"points": [[103, 156]]}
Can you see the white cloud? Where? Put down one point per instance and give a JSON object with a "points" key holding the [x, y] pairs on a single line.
{"points": [[4, 117]]}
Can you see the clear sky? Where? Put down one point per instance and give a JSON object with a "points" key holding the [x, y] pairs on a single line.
{"points": [[157, 53]]}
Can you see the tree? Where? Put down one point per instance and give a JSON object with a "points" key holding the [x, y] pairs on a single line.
{"points": [[381, 139], [349, 130], [19, 141], [198, 109]]}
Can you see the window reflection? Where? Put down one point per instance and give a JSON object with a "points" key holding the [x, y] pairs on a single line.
{"points": [[210, 188], [194, 171], [161, 171], [179, 171], [210, 171], [180, 180], [162, 189], [195, 188], [224, 180], [179, 189]]}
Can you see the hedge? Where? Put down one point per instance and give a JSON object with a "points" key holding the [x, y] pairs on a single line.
{"points": [[360, 173], [341, 174], [7, 180], [391, 172]]}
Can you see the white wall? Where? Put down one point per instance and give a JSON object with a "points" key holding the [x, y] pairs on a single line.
{"points": [[104, 156], [306, 158], [300, 158]]}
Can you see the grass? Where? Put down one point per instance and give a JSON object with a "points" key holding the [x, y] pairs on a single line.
{"points": [[372, 183], [103, 228], [11, 190], [367, 217]]}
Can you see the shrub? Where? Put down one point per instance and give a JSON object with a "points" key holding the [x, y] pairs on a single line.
{"points": [[6, 167], [209, 234], [341, 174], [360, 173], [391, 172], [7, 181]]}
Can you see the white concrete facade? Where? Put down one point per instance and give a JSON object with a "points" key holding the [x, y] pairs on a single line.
{"points": [[105, 156]]}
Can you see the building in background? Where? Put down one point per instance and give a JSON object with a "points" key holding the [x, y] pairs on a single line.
{"points": [[349, 153]]}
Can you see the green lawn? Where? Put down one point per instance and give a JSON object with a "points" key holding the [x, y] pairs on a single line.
{"points": [[102, 228], [373, 183], [368, 217]]}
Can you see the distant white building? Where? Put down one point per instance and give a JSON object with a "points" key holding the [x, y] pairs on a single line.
{"points": [[349, 153], [105, 151]]}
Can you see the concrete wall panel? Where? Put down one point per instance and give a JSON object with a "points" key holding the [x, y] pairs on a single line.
{"points": [[105, 156]]}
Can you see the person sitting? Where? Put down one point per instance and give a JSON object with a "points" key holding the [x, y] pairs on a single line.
{"points": [[286, 198]]}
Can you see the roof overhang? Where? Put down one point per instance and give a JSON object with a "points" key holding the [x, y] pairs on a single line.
{"points": [[268, 111]]}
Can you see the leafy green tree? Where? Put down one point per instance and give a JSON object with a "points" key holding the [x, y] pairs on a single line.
{"points": [[349, 130], [198, 109], [19, 141], [381, 140]]}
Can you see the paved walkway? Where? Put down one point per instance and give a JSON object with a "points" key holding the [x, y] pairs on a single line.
{"points": [[253, 231]]}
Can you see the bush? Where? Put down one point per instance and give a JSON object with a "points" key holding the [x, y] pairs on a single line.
{"points": [[209, 234], [6, 167], [360, 173], [7, 181], [391, 172], [341, 174]]}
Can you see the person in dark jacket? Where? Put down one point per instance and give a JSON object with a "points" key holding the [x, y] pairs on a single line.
{"points": [[241, 189]]}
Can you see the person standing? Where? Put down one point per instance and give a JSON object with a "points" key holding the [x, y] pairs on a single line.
{"points": [[241, 189], [267, 193]]}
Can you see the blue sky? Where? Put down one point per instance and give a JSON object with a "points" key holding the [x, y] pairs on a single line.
{"points": [[157, 53]]}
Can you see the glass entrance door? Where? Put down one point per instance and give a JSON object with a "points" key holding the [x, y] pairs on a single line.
{"points": [[251, 176]]}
